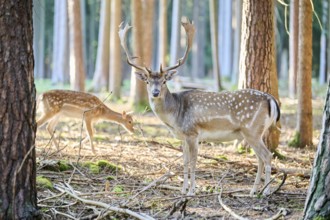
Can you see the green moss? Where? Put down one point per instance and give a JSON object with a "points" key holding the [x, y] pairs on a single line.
{"points": [[64, 165], [118, 189], [221, 157], [110, 178], [277, 154], [93, 168], [294, 142], [43, 182], [109, 166]]}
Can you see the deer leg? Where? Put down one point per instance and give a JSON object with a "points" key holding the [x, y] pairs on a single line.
{"points": [[193, 151], [264, 160], [51, 128], [43, 119], [185, 167], [89, 129], [258, 176]]}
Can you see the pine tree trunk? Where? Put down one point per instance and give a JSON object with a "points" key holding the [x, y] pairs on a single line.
{"points": [[39, 38], [293, 47], [257, 58], [18, 193], [304, 83], [138, 94], [214, 43], [101, 74], [77, 70], [318, 197], [115, 49], [323, 44], [162, 32]]}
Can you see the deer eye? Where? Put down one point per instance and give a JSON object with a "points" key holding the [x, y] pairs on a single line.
{"points": [[147, 82], [164, 82]]}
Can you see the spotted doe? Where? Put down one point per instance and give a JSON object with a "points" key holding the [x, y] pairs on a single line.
{"points": [[58, 103], [194, 116]]}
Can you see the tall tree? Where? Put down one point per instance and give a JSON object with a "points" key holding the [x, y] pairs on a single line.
{"points": [[293, 47], [175, 31], [60, 56], [318, 197], [115, 49], [323, 43], [77, 70], [101, 74], [198, 54], [214, 43], [18, 193], [39, 38], [162, 32], [225, 37], [304, 82], [138, 91], [257, 58], [237, 21]]}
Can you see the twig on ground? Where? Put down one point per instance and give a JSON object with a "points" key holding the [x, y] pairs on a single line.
{"points": [[101, 204], [161, 179], [272, 180], [55, 212], [181, 204]]}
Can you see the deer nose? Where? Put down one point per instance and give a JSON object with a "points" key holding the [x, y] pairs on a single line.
{"points": [[155, 93]]}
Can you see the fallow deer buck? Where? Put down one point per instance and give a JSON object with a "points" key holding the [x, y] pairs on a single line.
{"points": [[57, 103], [194, 116]]}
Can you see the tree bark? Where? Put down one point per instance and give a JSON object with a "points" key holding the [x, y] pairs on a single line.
{"points": [[304, 119], [138, 94], [101, 74], [60, 73], [323, 43], [318, 197], [39, 38], [162, 32], [257, 58], [115, 50], [236, 41], [225, 37], [77, 70], [214, 43], [293, 47], [18, 193]]}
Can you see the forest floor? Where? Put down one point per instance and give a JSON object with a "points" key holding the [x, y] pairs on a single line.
{"points": [[142, 173]]}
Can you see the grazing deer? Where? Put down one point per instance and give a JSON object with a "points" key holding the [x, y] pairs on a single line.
{"points": [[57, 103], [194, 116]]}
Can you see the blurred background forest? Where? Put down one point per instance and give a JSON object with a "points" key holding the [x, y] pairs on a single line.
{"points": [[103, 65]]}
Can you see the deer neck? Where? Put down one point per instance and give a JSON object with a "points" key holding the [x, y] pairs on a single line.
{"points": [[112, 116], [165, 107]]}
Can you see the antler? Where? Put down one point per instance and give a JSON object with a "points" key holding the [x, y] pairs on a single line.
{"points": [[122, 36], [190, 32]]}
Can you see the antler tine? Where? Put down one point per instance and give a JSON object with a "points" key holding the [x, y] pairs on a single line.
{"points": [[122, 36], [190, 33]]}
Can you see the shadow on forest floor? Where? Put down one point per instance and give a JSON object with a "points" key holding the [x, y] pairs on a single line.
{"points": [[144, 173]]}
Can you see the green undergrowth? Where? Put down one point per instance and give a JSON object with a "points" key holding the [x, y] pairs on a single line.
{"points": [[101, 165], [294, 142], [44, 182]]}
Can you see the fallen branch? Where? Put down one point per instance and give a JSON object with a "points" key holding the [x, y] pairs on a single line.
{"points": [[104, 205], [156, 182]]}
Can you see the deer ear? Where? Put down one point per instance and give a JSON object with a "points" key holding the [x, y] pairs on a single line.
{"points": [[124, 115], [169, 75], [141, 76]]}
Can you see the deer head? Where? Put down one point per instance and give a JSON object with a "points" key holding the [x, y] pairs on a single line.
{"points": [[156, 80]]}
